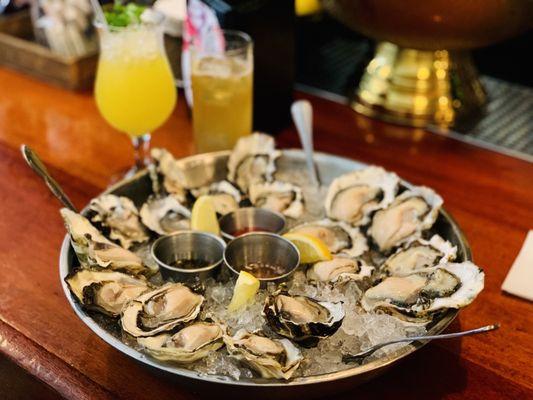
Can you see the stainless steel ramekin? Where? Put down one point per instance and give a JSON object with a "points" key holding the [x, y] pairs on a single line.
{"points": [[259, 219], [188, 245], [262, 247]]}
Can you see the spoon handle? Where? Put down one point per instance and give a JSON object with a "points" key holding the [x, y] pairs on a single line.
{"points": [[483, 329], [347, 358], [38, 167], [302, 115]]}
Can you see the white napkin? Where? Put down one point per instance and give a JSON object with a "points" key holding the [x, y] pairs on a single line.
{"points": [[519, 280]]}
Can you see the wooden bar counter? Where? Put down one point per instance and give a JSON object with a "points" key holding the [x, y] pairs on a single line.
{"points": [[47, 352]]}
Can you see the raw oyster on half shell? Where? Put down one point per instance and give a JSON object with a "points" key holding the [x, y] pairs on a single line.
{"points": [[94, 250], [412, 212], [121, 217], [105, 291], [302, 318], [161, 310], [339, 237], [225, 196], [165, 215], [339, 269], [281, 197], [189, 344], [173, 176], [419, 254], [271, 358], [352, 197], [417, 296], [253, 160]]}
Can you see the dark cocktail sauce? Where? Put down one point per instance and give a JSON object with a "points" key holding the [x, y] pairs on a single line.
{"points": [[263, 270], [190, 263], [249, 229]]}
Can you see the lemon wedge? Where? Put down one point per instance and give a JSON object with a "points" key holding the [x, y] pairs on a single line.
{"points": [[244, 291], [311, 248], [204, 216]]}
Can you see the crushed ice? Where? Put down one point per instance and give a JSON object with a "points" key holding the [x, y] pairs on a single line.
{"points": [[358, 331]]}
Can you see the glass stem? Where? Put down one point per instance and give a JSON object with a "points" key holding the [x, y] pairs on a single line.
{"points": [[141, 146]]}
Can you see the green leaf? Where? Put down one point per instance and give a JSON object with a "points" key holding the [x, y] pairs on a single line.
{"points": [[121, 15]]}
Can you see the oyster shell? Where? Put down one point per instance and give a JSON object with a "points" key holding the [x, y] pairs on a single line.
{"points": [[302, 318], [105, 291], [271, 358], [417, 296], [339, 269], [418, 255], [352, 197], [338, 236], [165, 215], [282, 197], [225, 196], [405, 219], [190, 344], [173, 176], [252, 160], [161, 310], [121, 217], [94, 250]]}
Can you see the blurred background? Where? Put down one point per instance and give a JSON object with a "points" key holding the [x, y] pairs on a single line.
{"points": [[460, 68]]}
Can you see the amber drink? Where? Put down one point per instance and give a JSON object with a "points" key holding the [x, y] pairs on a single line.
{"points": [[222, 92]]}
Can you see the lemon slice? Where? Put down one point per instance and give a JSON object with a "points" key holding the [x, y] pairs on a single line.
{"points": [[244, 291], [311, 248], [204, 216]]}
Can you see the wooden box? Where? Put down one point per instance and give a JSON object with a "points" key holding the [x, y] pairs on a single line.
{"points": [[19, 51]]}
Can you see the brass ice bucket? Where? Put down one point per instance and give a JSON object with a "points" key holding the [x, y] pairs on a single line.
{"points": [[422, 72]]}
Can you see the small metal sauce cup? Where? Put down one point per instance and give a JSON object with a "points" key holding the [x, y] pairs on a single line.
{"points": [[262, 247], [251, 217], [188, 245]]}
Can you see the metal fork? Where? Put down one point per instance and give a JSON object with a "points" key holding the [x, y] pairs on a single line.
{"points": [[349, 358]]}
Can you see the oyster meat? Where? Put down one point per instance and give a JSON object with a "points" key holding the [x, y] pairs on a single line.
{"points": [[165, 215], [121, 217], [281, 197], [94, 250], [271, 358], [418, 255], [253, 160], [105, 291], [405, 219], [190, 344], [302, 318], [417, 296], [161, 310], [338, 236], [173, 176], [225, 196], [339, 269], [352, 197]]}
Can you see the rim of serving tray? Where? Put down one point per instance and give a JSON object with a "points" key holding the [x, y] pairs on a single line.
{"points": [[440, 325]]}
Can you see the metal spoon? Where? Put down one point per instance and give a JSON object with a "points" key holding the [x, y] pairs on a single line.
{"points": [[38, 167], [302, 115], [348, 358]]}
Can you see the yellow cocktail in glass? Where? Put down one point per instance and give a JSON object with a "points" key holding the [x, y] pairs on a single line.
{"points": [[222, 78], [134, 87]]}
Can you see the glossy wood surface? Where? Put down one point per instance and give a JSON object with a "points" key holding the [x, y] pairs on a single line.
{"points": [[490, 195]]}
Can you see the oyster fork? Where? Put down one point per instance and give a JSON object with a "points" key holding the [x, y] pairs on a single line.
{"points": [[35, 163], [358, 357]]}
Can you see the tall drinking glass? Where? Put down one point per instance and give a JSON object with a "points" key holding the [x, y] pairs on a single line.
{"points": [[134, 88], [222, 77]]}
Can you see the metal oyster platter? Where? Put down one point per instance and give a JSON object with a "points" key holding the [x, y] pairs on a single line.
{"points": [[201, 170]]}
